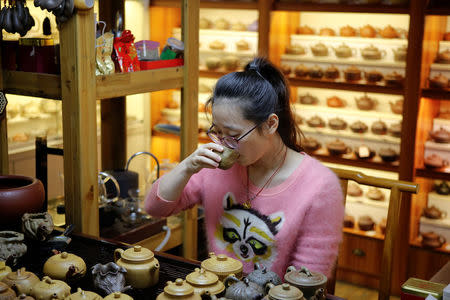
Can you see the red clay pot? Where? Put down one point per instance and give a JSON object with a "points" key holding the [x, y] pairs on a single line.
{"points": [[19, 195]]}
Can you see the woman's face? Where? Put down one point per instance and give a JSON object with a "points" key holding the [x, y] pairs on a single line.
{"points": [[229, 121]]}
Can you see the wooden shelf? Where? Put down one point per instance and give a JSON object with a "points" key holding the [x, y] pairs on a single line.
{"points": [[356, 162], [213, 74], [327, 84], [122, 84], [429, 173], [366, 234], [417, 243], [441, 11], [32, 84], [385, 9], [437, 94], [230, 4]]}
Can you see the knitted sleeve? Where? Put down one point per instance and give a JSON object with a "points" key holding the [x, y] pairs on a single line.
{"points": [[318, 244]]}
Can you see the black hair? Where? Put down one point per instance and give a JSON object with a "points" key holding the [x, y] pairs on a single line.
{"points": [[260, 90]]}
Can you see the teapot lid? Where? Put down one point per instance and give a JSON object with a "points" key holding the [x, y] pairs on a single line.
{"points": [[285, 291], [178, 288], [118, 296], [20, 274], [84, 295], [222, 264], [137, 253], [304, 277], [202, 277], [3, 287], [4, 267], [50, 284]]}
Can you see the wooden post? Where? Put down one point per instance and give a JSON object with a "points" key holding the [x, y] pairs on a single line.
{"points": [[113, 111], [79, 121], [4, 161], [189, 111], [264, 10]]}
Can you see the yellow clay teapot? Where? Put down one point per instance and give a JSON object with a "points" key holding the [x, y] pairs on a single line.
{"points": [[141, 265], [4, 269], [21, 280], [49, 289], [64, 266], [204, 281], [117, 296], [222, 266], [83, 295], [179, 289]]}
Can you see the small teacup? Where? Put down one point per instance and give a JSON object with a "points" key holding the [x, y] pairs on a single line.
{"points": [[229, 157]]}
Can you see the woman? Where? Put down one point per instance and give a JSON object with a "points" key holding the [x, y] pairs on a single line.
{"points": [[276, 205]]}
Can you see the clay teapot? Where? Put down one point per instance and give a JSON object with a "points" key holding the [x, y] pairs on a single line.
{"points": [[432, 212], [344, 51], [395, 129], [301, 71], [335, 101], [373, 76], [49, 289], [242, 45], [441, 135], [319, 49], [242, 290], [400, 53], [388, 154], [358, 127], [6, 293], [432, 240], [295, 49], [354, 190], [310, 144], [117, 296], [394, 78], [389, 32], [337, 147], [4, 270], [213, 63], [204, 23], [307, 281], [308, 99], [397, 106], [337, 123], [65, 266], [230, 62], [204, 281], [327, 31], [286, 69], [443, 188], [315, 72], [347, 31], [375, 193], [83, 295], [378, 127], [141, 265], [261, 276], [37, 226], [305, 30], [315, 121], [222, 265], [373, 53], [438, 81], [222, 24], [367, 31], [12, 245], [352, 73], [434, 161], [283, 291], [109, 278], [366, 223], [365, 102], [331, 72], [21, 281], [179, 289], [444, 56]]}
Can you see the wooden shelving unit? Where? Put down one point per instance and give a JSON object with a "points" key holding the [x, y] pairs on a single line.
{"points": [[32, 84], [357, 163], [232, 4], [436, 94], [384, 9], [429, 173]]}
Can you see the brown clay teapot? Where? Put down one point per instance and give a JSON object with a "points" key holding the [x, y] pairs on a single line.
{"points": [[337, 123], [315, 122], [283, 291], [331, 72], [222, 265], [366, 223], [6, 293], [354, 190], [308, 99], [141, 265], [441, 135], [378, 127], [49, 289], [327, 31], [432, 240], [305, 30], [179, 289], [367, 31], [395, 129], [310, 144], [204, 281], [315, 72], [37, 226], [394, 78], [443, 188], [397, 106], [344, 51], [352, 73], [347, 31], [21, 281], [400, 53], [373, 76], [444, 56], [242, 290], [375, 193], [388, 154], [358, 127], [261, 276], [305, 280], [337, 147], [319, 49], [373, 53], [365, 102], [389, 32], [301, 71], [295, 49], [438, 81], [83, 295], [432, 212], [65, 266], [434, 161], [286, 69], [335, 101]]}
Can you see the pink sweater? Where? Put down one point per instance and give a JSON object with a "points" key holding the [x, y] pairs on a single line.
{"points": [[298, 222]]}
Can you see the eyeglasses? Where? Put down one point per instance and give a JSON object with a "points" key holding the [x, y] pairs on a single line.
{"points": [[228, 141]]}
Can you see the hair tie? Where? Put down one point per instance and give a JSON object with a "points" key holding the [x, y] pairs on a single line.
{"points": [[253, 67]]}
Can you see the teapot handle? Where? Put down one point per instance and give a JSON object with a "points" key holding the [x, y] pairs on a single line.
{"points": [[268, 286], [306, 271], [229, 278], [117, 254]]}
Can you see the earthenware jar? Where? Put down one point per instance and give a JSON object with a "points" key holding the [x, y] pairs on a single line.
{"points": [[83, 295], [261, 276], [204, 281], [432, 240], [319, 49], [12, 244], [432, 212], [4, 270], [222, 266], [242, 290], [358, 127], [308, 99], [179, 289], [6, 293], [343, 51], [141, 265], [441, 135], [367, 31], [365, 102], [64, 266], [21, 280], [443, 188], [37, 226], [305, 280], [109, 278], [49, 289], [397, 106], [118, 296], [283, 291]]}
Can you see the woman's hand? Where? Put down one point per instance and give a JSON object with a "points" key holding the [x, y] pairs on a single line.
{"points": [[204, 157]]}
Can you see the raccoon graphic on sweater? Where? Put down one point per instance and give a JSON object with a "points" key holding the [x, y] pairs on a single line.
{"points": [[247, 233]]}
